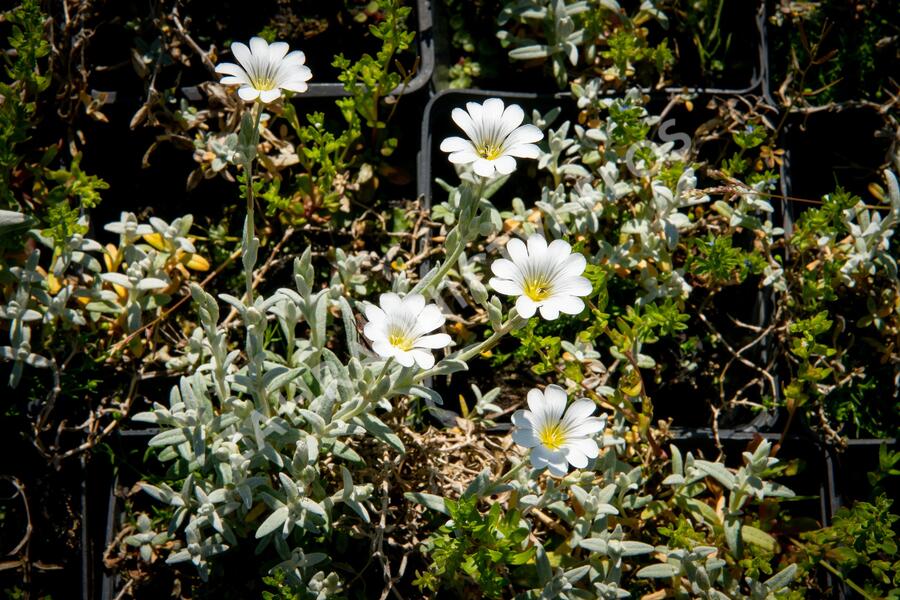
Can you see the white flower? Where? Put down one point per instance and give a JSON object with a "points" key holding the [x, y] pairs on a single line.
{"points": [[543, 277], [495, 137], [265, 70], [398, 329], [555, 435]]}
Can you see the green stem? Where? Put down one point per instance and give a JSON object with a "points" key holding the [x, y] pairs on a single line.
{"points": [[834, 571], [509, 475], [468, 210], [512, 323], [249, 225]]}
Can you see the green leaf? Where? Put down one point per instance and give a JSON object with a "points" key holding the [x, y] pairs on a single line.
{"points": [[431, 501]]}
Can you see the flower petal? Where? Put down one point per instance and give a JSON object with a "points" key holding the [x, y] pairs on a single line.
{"points": [[549, 310], [586, 447], [429, 319], [525, 437], [463, 158], [457, 144], [506, 286], [407, 359], [556, 399], [390, 303], [577, 412], [465, 122], [518, 252], [414, 303], [522, 151], [424, 359], [242, 53], [537, 246], [483, 167], [511, 118], [435, 341], [230, 69], [259, 48], [525, 306], [505, 165], [575, 456], [526, 134], [277, 52], [248, 93], [267, 96]]}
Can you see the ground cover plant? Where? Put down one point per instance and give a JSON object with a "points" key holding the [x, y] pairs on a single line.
{"points": [[607, 352]]}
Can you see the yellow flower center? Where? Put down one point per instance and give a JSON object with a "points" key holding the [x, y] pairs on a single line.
{"points": [[538, 290], [263, 84], [552, 436], [398, 340], [489, 151]]}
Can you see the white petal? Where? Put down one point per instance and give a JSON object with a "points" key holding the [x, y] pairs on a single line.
{"points": [[526, 134], [518, 252], [578, 411], [259, 48], [506, 269], [573, 265], [456, 144], [424, 359], [505, 165], [295, 85], [390, 302], [235, 80], [429, 319], [586, 447], [242, 54], [537, 246], [587, 427], [506, 287], [405, 358], [556, 399], [483, 167], [549, 310], [464, 120], [512, 117], [414, 303], [576, 286], [525, 306], [277, 51], [383, 349], [463, 157], [570, 305], [575, 456], [559, 250], [522, 419], [536, 404], [492, 110], [555, 460], [525, 438], [435, 341], [374, 332], [374, 314], [230, 69], [294, 59], [522, 151], [476, 113], [248, 94], [270, 95]]}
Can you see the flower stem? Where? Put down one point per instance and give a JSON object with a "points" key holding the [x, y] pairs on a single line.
{"points": [[249, 228], [468, 210], [509, 475], [512, 323]]}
